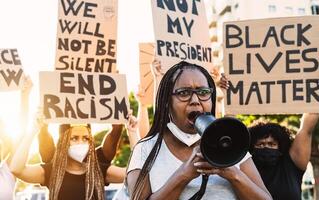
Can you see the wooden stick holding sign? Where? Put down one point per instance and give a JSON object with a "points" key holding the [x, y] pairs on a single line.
{"points": [[272, 65], [86, 38], [181, 32], [83, 97], [11, 72]]}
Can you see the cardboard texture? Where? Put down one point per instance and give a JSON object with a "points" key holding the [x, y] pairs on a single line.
{"points": [[272, 65], [146, 56], [11, 72], [87, 36], [181, 33], [72, 97]]}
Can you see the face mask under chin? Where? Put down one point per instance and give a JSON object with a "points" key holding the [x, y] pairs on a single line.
{"points": [[186, 138], [266, 157]]}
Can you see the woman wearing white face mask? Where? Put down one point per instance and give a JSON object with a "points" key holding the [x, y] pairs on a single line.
{"points": [[74, 173]]}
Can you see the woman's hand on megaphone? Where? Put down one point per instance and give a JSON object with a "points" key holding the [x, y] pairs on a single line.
{"points": [[188, 168], [204, 167]]}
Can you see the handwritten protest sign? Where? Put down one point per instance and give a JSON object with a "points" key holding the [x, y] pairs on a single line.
{"points": [[11, 72], [272, 65], [181, 32], [86, 36], [146, 76], [71, 97]]}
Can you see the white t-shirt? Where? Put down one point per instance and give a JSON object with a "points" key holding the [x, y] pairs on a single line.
{"points": [[166, 164], [7, 182]]}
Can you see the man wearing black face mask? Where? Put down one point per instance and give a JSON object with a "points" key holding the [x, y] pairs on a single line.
{"points": [[280, 159]]}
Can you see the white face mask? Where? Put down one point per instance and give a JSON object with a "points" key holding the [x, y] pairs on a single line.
{"points": [[186, 138], [78, 152]]}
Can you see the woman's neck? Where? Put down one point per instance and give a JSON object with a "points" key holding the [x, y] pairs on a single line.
{"points": [[176, 147], [75, 167]]}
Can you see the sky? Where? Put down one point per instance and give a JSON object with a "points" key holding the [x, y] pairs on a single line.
{"points": [[31, 25]]}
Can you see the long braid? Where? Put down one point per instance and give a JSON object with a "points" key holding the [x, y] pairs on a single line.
{"points": [[94, 180], [161, 117], [59, 165]]}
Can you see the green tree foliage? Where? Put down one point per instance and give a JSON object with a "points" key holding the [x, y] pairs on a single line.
{"points": [[290, 121], [98, 137], [124, 151]]}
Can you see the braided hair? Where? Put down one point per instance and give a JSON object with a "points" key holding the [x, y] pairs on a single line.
{"points": [[161, 116], [94, 180]]}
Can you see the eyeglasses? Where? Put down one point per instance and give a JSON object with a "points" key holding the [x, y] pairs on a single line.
{"points": [[185, 94]]}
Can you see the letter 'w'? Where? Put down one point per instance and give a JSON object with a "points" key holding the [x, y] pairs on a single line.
{"points": [[11, 75]]}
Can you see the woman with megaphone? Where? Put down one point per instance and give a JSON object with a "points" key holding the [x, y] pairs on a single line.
{"points": [[167, 164]]}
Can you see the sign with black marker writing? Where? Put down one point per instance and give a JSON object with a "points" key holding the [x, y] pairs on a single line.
{"points": [[272, 65], [86, 36], [181, 32], [11, 72], [146, 57], [71, 97]]}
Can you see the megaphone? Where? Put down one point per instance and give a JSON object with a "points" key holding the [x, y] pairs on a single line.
{"points": [[225, 141]]}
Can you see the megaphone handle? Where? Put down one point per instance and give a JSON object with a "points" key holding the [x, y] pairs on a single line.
{"points": [[198, 195]]}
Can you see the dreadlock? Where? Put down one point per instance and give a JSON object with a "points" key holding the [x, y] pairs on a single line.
{"points": [[161, 116], [94, 180]]}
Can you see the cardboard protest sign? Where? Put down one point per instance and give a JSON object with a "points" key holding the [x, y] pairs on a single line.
{"points": [[272, 65], [146, 76], [86, 35], [71, 97], [11, 72], [181, 32]]}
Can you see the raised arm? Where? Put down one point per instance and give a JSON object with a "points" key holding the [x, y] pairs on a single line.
{"points": [[142, 114], [46, 144], [24, 110], [111, 141], [300, 150], [18, 164], [158, 73], [132, 130]]}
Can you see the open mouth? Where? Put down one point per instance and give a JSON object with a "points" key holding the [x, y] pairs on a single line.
{"points": [[192, 116]]}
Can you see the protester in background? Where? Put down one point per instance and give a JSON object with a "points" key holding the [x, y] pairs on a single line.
{"points": [[142, 112], [167, 163], [105, 153], [7, 179], [280, 159], [74, 173]]}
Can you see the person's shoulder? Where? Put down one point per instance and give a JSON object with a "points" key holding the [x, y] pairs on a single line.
{"points": [[244, 159], [150, 140], [287, 161], [146, 144]]}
